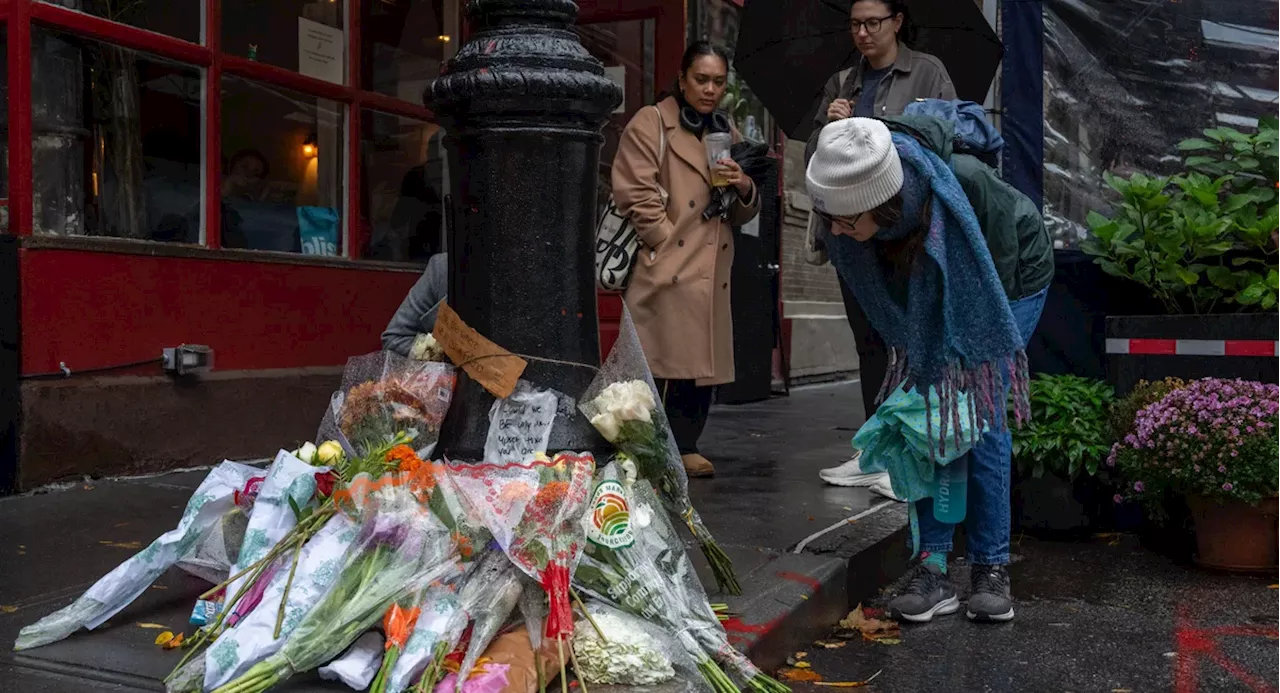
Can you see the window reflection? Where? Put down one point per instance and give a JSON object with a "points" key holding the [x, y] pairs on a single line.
{"points": [[405, 42], [176, 18], [403, 174], [302, 35], [116, 148], [281, 170]]}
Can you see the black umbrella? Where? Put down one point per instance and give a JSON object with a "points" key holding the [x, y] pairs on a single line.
{"points": [[787, 50]]}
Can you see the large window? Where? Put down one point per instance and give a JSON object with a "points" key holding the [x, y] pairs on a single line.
{"points": [[116, 141], [269, 126]]}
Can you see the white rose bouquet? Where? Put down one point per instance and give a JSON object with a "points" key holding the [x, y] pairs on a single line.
{"points": [[627, 414]]}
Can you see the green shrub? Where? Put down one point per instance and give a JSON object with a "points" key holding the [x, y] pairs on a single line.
{"points": [[1069, 427]]}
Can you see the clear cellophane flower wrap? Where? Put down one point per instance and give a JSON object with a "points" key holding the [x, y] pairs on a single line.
{"points": [[206, 510], [401, 549], [385, 397], [489, 595], [623, 403], [534, 511], [648, 574]]}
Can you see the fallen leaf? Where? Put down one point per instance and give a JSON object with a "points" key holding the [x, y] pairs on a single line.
{"points": [[176, 642], [1273, 587], [122, 544], [886, 641], [803, 665], [801, 655], [6, 609], [848, 508], [805, 597], [152, 626], [88, 488], [159, 587], [164, 638], [800, 675], [811, 518], [871, 628], [834, 645]]}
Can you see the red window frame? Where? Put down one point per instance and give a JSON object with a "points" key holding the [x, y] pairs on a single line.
{"points": [[17, 17]]}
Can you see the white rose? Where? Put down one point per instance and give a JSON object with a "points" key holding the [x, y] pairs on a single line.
{"points": [[643, 395], [607, 424], [306, 453]]}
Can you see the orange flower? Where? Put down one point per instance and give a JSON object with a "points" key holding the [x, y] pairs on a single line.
{"points": [[404, 458], [465, 549], [551, 494], [398, 624]]}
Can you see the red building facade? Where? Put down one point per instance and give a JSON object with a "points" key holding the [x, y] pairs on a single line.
{"points": [[259, 178]]}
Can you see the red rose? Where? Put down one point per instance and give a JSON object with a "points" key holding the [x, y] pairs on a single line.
{"points": [[325, 481]]}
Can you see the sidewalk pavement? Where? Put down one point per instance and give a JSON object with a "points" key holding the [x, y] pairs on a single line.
{"points": [[1105, 614], [764, 501]]}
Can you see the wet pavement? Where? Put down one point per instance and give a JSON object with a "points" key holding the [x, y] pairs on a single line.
{"points": [[1101, 615], [765, 499]]}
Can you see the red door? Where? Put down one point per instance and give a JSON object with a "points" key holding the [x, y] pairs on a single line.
{"points": [[640, 43]]}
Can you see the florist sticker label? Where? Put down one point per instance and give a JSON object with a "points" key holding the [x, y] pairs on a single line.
{"points": [[609, 522], [520, 425], [495, 368]]}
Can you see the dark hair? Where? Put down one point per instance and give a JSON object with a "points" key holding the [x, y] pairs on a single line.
{"points": [[897, 256], [696, 50], [907, 34]]}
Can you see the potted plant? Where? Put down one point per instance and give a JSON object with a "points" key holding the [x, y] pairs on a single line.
{"points": [[1057, 455], [1203, 244], [1214, 442]]}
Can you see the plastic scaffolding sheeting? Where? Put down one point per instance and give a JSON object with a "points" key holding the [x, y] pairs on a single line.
{"points": [[1126, 80]]}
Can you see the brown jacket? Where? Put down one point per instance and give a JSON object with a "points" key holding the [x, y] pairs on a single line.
{"points": [[914, 76], [679, 291]]}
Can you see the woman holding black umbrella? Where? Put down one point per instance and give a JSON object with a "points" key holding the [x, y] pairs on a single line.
{"points": [[887, 78]]}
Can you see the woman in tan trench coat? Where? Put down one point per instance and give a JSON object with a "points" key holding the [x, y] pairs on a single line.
{"points": [[679, 290]]}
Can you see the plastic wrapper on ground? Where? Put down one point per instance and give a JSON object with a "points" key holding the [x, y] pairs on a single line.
{"points": [[212, 500]]}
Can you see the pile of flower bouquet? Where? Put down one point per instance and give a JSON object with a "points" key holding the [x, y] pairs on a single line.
{"points": [[363, 558]]}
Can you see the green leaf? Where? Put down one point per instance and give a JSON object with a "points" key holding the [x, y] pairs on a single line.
{"points": [[1252, 294], [1221, 277], [1195, 144], [293, 505], [1273, 278]]}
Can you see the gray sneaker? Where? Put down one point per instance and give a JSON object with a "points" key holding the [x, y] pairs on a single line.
{"points": [[928, 594], [990, 600]]}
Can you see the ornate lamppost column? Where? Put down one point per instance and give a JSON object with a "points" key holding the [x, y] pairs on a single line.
{"points": [[523, 104]]}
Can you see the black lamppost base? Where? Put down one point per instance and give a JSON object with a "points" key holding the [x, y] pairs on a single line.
{"points": [[523, 104]]}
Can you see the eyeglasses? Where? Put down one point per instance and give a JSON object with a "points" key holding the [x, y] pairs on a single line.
{"points": [[872, 25], [844, 221]]}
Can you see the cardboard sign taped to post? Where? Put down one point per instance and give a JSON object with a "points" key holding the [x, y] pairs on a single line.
{"points": [[495, 368]]}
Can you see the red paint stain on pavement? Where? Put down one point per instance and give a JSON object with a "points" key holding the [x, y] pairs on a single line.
{"points": [[1194, 644], [814, 583]]}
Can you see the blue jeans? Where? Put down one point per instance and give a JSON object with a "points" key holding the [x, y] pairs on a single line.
{"points": [[987, 520]]}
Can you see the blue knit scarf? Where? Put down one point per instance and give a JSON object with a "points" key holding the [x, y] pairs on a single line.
{"points": [[955, 332]]}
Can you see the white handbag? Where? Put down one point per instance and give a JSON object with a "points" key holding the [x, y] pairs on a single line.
{"points": [[617, 242]]}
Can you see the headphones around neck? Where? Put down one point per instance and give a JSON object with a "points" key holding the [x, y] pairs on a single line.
{"points": [[695, 123]]}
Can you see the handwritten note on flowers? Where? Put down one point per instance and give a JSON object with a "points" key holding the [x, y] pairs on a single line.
{"points": [[495, 368], [520, 425]]}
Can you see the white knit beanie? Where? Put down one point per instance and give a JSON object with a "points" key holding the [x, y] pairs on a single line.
{"points": [[855, 168]]}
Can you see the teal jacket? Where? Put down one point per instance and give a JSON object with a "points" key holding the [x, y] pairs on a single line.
{"points": [[1014, 229]]}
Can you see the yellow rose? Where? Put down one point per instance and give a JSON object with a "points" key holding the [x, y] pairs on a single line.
{"points": [[329, 453]]}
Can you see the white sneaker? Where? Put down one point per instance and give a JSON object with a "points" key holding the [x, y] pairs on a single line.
{"points": [[850, 474]]}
